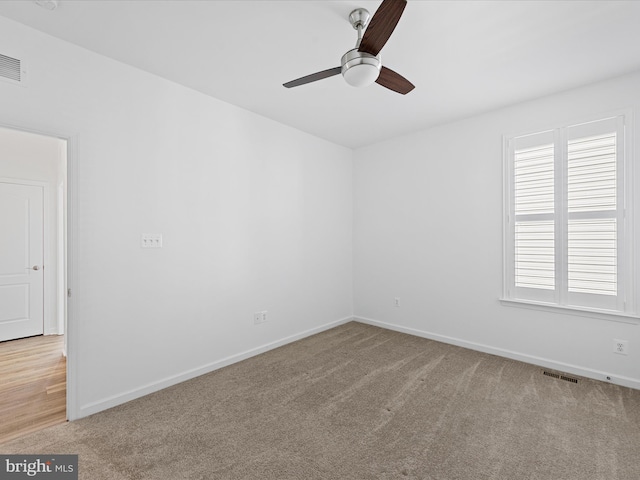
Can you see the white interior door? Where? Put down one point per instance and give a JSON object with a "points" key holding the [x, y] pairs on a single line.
{"points": [[21, 261]]}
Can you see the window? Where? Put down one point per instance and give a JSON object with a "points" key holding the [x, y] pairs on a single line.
{"points": [[567, 224]]}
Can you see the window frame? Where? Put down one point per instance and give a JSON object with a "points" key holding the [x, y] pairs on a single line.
{"points": [[623, 307]]}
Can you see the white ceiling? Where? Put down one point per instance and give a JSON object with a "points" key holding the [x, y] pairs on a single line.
{"points": [[465, 57]]}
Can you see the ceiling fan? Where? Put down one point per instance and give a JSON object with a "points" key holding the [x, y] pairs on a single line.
{"points": [[361, 66]]}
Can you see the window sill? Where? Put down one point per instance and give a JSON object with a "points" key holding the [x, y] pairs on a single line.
{"points": [[609, 315]]}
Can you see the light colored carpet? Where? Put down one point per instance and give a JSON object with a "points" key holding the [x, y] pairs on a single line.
{"points": [[359, 402]]}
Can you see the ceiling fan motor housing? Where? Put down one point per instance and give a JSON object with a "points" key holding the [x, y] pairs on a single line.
{"points": [[360, 69]]}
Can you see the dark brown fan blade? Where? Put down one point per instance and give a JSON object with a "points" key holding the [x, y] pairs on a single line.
{"points": [[313, 77], [381, 26], [394, 81]]}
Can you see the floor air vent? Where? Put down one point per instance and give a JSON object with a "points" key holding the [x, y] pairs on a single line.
{"points": [[11, 69], [560, 376]]}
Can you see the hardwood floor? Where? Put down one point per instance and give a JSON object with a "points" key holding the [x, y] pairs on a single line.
{"points": [[33, 385]]}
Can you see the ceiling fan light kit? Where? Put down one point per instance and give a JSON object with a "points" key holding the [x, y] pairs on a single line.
{"points": [[360, 69], [362, 65]]}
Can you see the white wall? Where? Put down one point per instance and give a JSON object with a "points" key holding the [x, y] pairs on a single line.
{"points": [[27, 156], [428, 229], [255, 216]]}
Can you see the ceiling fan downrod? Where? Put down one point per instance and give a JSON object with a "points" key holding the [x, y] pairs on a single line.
{"points": [[359, 19]]}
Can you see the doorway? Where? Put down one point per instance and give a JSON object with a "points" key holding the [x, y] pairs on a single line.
{"points": [[33, 269]]}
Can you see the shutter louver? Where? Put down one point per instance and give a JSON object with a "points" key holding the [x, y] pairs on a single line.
{"points": [[592, 256], [535, 260], [534, 180], [591, 178]]}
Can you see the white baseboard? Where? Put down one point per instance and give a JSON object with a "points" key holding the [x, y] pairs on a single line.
{"points": [[542, 362], [114, 400]]}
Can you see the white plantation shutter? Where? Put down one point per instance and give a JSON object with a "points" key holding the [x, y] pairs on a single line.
{"points": [[591, 191], [534, 224], [564, 235]]}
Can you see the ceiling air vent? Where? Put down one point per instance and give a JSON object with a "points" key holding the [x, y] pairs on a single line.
{"points": [[11, 69]]}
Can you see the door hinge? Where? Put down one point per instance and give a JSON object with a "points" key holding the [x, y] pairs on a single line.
{"points": [[69, 292]]}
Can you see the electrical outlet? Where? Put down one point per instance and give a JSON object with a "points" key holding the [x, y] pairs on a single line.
{"points": [[621, 347], [396, 301], [259, 317]]}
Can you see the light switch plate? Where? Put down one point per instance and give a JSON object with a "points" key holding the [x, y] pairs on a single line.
{"points": [[151, 240]]}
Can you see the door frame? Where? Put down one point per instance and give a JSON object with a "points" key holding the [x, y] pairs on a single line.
{"points": [[71, 327]]}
